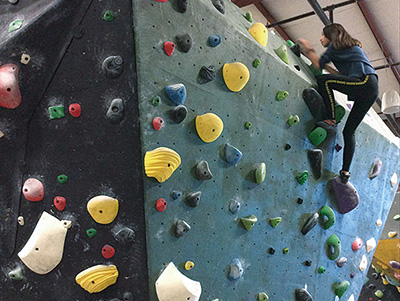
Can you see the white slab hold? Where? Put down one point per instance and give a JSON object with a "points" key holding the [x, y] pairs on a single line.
{"points": [[172, 285], [371, 244], [44, 249], [363, 263]]}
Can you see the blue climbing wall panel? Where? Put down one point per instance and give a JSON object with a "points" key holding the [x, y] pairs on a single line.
{"points": [[217, 236]]}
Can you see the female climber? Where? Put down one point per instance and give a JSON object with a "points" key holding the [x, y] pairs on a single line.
{"points": [[355, 77]]}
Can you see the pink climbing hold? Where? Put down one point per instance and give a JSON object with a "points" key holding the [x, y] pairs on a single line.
{"points": [[169, 47], [10, 96], [158, 123], [163, 1], [75, 109], [161, 205], [60, 202], [357, 244], [33, 190], [107, 251]]}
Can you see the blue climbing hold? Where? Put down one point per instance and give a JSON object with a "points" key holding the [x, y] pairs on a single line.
{"points": [[176, 93], [235, 270], [234, 206], [176, 194], [232, 154], [215, 40]]}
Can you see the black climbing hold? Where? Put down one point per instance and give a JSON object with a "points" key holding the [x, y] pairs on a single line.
{"points": [[372, 286], [179, 113], [315, 104], [307, 263], [315, 157], [296, 49], [287, 147], [219, 5], [125, 235], [375, 275], [113, 66], [299, 201], [203, 171], [182, 5], [115, 112], [128, 296], [311, 223], [207, 74], [184, 42], [303, 295], [271, 251], [181, 227], [193, 199]]}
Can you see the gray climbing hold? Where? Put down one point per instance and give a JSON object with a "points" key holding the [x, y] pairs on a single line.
{"points": [[128, 296], [234, 206], [235, 269], [375, 169], [182, 5], [193, 199], [13, 1], [115, 112], [16, 274], [303, 295], [176, 194], [232, 154], [113, 66], [207, 74], [181, 227], [219, 5], [315, 157], [203, 171], [184, 42], [179, 113], [341, 262], [125, 234], [311, 223]]}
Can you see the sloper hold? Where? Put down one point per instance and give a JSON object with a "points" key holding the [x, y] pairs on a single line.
{"points": [[234, 206], [282, 53], [219, 5], [113, 66], [260, 33], [10, 95], [124, 234], [302, 177], [184, 42], [209, 127], [236, 75], [193, 198], [232, 154], [115, 112], [375, 169], [181, 227], [334, 247], [44, 249], [207, 73], [173, 285], [340, 288], [249, 221], [303, 295], [103, 209], [315, 158], [97, 278], [179, 113], [203, 171], [33, 190], [160, 163], [327, 212], [182, 5], [275, 221], [214, 40], [56, 112], [260, 173], [176, 93], [310, 223], [341, 262], [345, 194], [370, 244], [235, 269]]}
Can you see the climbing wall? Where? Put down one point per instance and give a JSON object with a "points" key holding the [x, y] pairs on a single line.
{"points": [[217, 236]]}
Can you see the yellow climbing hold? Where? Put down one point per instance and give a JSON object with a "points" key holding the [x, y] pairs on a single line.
{"points": [[385, 282], [260, 33], [236, 76], [392, 234], [189, 265], [103, 209], [161, 162], [97, 278], [209, 127]]}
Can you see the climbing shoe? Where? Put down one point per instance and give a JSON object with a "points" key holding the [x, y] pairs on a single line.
{"points": [[328, 124], [344, 177]]}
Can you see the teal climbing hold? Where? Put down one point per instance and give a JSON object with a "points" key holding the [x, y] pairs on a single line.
{"points": [[321, 269], [275, 221], [285, 250], [14, 25], [256, 63], [232, 154], [260, 173], [281, 95], [282, 53], [334, 247], [302, 177], [249, 17], [156, 101], [327, 212], [339, 113], [340, 288], [108, 15], [91, 232], [317, 136], [262, 297], [16, 274], [290, 43], [56, 112], [248, 125], [249, 221], [293, 119], [62, 179]]}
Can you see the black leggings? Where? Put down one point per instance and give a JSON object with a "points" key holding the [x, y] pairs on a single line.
{"points": [[364, 92]]}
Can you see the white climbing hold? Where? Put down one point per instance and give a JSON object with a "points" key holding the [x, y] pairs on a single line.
{"points": [[363, 263], [172, 285], [25, 58], [371, 244], [351, 298], [21, 220], [379, 222], [393, 179]]}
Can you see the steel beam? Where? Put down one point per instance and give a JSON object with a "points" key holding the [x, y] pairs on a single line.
{"points": [[320, 13]]}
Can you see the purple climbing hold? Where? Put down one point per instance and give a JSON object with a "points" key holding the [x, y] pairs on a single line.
{"points": [[352, 275], [394, 264], [375, 169], [338, 147], [345, 194]]}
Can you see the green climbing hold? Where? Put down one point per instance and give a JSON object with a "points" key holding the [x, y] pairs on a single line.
{"points": [[256, 63], [334, 247], [285, 250], [293, 119], [91, 232], [317, 136], [16, 274], [282, 53], [262, 296], [302, 177], [321, 269], [56, 112], [260, 173], [14, 25], [108, 15], [62, 179], [396, 217], [281, 95], [340, 288], [327, 212], [275, 221], [248, 125], [249, 17], [290, 43], [315, 71], [378, 270], [379, 293], [339, 113], [249, 221], [156, 101]]}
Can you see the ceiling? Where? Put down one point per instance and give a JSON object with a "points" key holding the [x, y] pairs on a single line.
{"points": [[376, 23]]}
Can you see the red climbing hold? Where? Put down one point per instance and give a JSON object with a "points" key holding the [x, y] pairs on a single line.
{"points": [[33, 190], [60, 202], [107, 251], [10, 96], [161, 205], [158, 123], [75, 109], [357, 244], [161, 1], [169, 47]]}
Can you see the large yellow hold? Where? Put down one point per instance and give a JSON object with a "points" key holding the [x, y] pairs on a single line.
{"points": [[97, 278], [103, 209], [236, 76], [161, 163], [209, 127], [260, 33]]}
